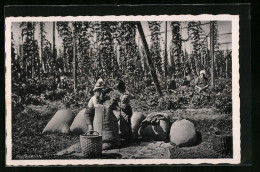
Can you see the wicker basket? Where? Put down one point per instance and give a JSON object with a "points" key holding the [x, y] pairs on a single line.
{"points": [[222, 144], [91, 144]]}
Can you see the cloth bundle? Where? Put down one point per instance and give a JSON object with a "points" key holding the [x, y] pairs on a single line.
{"points": [[152, 119], [156, 126]]}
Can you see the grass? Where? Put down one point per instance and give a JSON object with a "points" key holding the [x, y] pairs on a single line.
{"points": [[27, 134], [29, 142]]}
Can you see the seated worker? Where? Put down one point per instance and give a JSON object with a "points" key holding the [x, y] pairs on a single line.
{"points": [[187, 80], [201, 82], [93, 102], [172, 85], [62, 84]]}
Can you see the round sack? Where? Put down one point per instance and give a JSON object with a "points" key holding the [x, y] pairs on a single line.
{"points": [[106, 124], [158, 132], [183, 133], [136, 121], [79, 125], [60, 122]]}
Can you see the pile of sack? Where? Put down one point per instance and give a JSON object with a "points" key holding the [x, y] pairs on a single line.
{"points": [[105, 123], [154, 126]]}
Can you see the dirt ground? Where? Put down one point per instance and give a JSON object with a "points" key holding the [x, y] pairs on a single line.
{"points": [[28, 142]]}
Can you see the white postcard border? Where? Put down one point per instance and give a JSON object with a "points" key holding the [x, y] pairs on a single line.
{"points": [[204, 17]]}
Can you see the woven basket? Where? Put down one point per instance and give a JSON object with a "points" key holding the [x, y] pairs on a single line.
{"points": [[91, 144]]}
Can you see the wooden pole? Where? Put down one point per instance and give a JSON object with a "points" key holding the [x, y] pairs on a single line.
{"points": [[54, 55], [40, 53], [41, 49], [26, 60], [65, 61], [212, 53], [226, 56], [22, 56], [152, 69], [165, 50], [33, 60], [74, 67]]}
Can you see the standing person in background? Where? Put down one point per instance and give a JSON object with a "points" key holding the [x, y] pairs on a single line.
{"points": [[201, 82], [121, 89], [125, 111], [93, 102]]}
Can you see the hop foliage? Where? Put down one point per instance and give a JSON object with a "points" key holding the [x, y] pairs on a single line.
{"points": [[186, 97], [155, 49], [176, 48]]}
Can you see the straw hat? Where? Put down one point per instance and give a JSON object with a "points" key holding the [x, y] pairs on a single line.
{"points": [[98, 85]]}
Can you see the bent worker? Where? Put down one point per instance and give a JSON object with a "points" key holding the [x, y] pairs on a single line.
{"points": [[201, 82], [93, 102]]}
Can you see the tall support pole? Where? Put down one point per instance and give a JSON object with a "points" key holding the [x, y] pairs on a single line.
{"points": [[26, 59], [74, 67], [165, 49], [41, 47], [54, 55], [22, 57], [150, 62], [33, 56], [226, 56], [212, 53]]}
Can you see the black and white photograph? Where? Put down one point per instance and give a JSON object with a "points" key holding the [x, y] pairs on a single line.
{"points": [[96, 90]]}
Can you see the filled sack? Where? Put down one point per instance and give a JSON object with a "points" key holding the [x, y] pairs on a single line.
{"points": [[60, 122], [117, 114], [136, 121], [155, 127], [183, 133], [79, 125], [124, 125], [106, 124]]}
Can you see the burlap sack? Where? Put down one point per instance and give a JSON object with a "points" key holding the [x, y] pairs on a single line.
{"points": [[106, 124], [79, 125], [183, 133], [136, 121], [60, 122], [158, 132]]}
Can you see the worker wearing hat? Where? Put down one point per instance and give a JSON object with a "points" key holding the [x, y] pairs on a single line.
{"points": [[93, 102], [201, 82]]}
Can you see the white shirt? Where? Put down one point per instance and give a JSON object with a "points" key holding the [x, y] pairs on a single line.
{"points": [[93, 102]]}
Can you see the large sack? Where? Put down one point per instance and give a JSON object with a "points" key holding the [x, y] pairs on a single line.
{"points": [[60, 122], [136, 121], [117, 114], [106, 124], [124, 127], [79, 125], [158, 132], [183, 133]]}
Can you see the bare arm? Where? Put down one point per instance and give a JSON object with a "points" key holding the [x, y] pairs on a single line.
{"points": [[95, 101], [205, 87], [90, 127]]}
